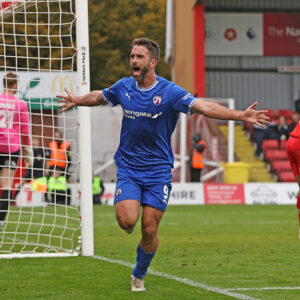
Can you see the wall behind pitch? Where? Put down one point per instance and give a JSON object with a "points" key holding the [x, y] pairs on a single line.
{"points": [[221, 194], [272, 90], [248, 77], [252, 4]]}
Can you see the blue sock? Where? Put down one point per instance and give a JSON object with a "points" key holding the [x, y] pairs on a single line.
{"points": [[143, 260]]}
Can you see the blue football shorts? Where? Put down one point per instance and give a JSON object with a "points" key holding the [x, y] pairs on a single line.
{"points": [[133, 186]]}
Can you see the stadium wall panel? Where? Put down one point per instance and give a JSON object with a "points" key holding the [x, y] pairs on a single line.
{"points": [[271, 90], [191, 194], [252, 4], [220, 193]]}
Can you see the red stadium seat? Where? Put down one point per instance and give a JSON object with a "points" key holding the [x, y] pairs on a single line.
{"points": [[286, 176], [270, 144], [281, 165], [249, 128], [271, 114], [283, 144], [271, 155], [285, 112], [289, 121]]}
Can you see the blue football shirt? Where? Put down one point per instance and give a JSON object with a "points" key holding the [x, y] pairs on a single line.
{"points": [[149, 119]]}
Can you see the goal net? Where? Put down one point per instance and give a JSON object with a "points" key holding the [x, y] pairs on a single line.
{"points": [[37, 43]]}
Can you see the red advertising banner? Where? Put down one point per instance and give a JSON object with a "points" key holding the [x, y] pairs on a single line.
{"points": [[219, 193], [281, 34], [6, 4]]}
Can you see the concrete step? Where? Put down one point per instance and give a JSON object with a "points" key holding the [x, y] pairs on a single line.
{"points": [[245, 152]]}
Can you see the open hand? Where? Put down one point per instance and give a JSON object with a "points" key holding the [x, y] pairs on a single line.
{"points": [[258, 117], [67, 102]]}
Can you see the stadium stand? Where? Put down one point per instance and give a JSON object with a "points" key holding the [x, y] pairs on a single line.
{"points": [[272, 114], [249, 130], [286, 176], [274, 150], [283, 144], [244, 153], [281, 165], [285, 112], [272, 155], [270, 144]]}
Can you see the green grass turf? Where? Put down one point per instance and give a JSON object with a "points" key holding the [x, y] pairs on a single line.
{"points": [[220, 246]]}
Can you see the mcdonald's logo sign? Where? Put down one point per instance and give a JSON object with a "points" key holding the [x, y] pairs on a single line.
{"points": [[63, 81]]}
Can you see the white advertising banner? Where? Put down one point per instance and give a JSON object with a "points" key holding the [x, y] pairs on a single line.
{"points": [[186, 193], [182, 193], [41, 88], [233, 34], [271, 193], [28, 198], [190, 193], [251, 193], [107, 197]]}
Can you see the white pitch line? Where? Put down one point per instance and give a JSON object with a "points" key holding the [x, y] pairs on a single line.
{"points": [[180, 279], [266, 288]]}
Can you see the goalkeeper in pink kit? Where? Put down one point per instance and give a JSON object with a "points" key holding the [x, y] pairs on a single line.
{"points": [[14, 135], [293, 151]]}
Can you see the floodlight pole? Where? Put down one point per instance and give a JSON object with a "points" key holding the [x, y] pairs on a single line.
{"points": [[84, 116]]}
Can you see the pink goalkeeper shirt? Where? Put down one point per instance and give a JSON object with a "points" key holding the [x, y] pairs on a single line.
{"points": [[14, 124]]}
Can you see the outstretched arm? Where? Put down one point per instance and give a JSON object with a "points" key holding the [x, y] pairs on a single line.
{"points": [[217, 111], [93, 98]]}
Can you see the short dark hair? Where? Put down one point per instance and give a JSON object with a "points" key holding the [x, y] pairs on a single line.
{"points": [[9, 80], [152, 46]]}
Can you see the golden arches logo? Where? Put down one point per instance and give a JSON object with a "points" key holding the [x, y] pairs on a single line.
{"points": [[64, 81]]}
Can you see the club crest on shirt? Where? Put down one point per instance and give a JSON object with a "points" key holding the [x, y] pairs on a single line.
{"points": [[118, 192], [157, 100]]}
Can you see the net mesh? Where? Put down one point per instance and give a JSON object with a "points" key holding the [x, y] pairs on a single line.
{"points": [[37, 43]]}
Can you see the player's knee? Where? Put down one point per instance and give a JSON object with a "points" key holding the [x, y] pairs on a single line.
{"points": [[127, 224], [129, 228], [149, 230]]}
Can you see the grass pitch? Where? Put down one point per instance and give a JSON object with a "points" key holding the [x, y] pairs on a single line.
{"points": [[218, 247]]}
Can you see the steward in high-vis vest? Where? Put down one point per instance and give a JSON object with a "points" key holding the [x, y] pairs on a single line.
{"points": [[98, 189], [58, 191], [39, 184], [60, 156], [197, 158]]}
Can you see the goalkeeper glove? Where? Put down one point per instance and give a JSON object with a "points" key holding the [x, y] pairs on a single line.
{"points": [[28, 157]]}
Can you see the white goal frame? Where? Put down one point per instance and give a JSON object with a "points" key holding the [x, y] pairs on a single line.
{"points": [[84, 123], [85, 154]]}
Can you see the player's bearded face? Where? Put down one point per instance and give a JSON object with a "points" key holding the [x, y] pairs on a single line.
{"points": [[140, 62], [139, 72]]}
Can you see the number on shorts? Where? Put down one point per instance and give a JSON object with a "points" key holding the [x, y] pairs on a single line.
{"points": [[166, 192]]}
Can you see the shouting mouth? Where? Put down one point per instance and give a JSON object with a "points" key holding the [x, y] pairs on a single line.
{"points": [[136, 71]]}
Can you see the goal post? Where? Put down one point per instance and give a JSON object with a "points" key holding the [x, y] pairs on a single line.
{"points": [[83, 71], [39, 44]]}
